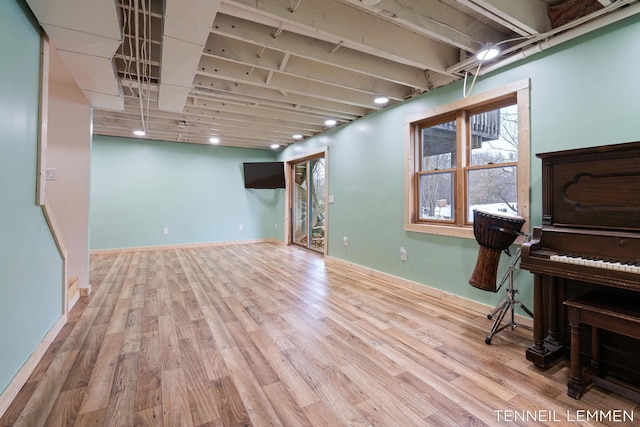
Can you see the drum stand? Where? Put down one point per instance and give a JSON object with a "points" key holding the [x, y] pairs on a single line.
{"points": [[508, 304]]}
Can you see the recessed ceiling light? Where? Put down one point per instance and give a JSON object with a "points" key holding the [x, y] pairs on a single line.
{"points": [[275, 146], [330, 122], [297, 136], [381, 100], [214, 140], [139, 133]]}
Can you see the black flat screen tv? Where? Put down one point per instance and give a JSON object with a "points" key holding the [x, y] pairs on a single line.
{"points": [[264, 175]]}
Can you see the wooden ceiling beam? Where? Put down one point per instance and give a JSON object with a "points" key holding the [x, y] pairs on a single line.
{"points": [[268, 94], [236, 51], [525, 17], [434, 19], [337, 22]]}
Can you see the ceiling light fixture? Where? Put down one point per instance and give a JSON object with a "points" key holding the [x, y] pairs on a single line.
{"points": [[380, 100], [330, 122], [275, 146], [139, 133], [487, 52], [214, 140], [297, 136]]}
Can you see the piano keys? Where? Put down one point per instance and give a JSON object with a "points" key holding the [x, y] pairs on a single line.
{"points": [[607, 264], [589, 240]]}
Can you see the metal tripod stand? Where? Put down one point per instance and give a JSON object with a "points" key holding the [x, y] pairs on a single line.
{"points": [[508, 304]]}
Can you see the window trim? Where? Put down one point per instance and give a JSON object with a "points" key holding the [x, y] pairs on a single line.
{"points": [[520, 90]]}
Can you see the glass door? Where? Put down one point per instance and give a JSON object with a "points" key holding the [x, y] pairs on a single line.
{"points": [[300, 196], [308, 209]]}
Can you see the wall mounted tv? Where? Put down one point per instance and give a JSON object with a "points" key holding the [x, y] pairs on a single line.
{"points": [[264, 175]]}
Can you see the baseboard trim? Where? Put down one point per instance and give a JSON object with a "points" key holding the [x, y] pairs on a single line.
{"points": [[74, 300], [472, 305], [27, 369], [183, 246]]}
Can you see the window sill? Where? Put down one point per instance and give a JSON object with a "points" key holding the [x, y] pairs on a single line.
{"points": [[442, 230], [456, 231]]}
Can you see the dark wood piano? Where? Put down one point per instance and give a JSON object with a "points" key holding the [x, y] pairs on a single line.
{"points": [[589, 241]]}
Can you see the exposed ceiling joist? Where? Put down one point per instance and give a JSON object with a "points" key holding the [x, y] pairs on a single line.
{"points": [[320, 51], [525, 17], [255, 72], [436, 20], [346, 24], [289, 64]]}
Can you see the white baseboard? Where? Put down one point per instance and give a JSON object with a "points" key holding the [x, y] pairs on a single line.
{"points": [[74, 300], [475, 306], [183, 246], [27, 369]]}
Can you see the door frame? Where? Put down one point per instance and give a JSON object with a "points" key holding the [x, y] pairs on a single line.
{"points": [[290, 170]]}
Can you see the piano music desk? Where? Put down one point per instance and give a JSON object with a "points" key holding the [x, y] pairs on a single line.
{"points": [[600, 311]]}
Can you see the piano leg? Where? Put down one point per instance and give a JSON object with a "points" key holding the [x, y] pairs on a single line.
{"points": [[575, 386], [543, 351], [595, 348], [552, 338], [538, 309]]}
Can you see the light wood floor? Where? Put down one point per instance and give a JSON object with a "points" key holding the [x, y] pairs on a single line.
{"points": [[264, 334]]}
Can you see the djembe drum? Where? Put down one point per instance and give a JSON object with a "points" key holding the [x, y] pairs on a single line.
{"points": [[494, 233]]}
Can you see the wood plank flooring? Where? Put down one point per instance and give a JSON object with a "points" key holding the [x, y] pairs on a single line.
{"points": [[263, 334]]}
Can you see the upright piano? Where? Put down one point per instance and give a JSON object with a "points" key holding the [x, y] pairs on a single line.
{"points": [[589, 240]]}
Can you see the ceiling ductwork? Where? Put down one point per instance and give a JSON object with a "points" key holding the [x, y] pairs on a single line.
{"points": [[187, 24], [87, 34]]}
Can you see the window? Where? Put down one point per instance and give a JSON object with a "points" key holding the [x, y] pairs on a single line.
{"points": [[471, 154]]}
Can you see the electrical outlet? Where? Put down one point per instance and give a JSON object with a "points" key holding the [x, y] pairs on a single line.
{"points": [[165, 230], [345, 241], [240, 227], [403, 254], [276, 226]]}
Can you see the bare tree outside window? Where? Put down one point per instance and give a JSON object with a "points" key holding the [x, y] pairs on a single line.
{"points": [[471, 153], [492, 176], [491, 173]]}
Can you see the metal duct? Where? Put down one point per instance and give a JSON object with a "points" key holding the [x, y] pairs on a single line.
{"points": [[86, 33], [187, 24]]}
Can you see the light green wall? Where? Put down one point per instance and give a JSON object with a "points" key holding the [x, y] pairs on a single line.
{"points": [[30, 265], [139, 187], [583, 93]]}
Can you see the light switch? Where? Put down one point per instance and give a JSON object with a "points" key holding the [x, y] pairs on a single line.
{"points": [[52, 174]]}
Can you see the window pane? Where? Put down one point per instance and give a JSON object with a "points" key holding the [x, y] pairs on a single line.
{"points": [[439, 146], [436, 196], [494, 190], [494, 136]]}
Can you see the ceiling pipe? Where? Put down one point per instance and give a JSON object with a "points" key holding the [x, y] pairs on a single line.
{"points": [[572, 30], [564, 37], [138, 61]]}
